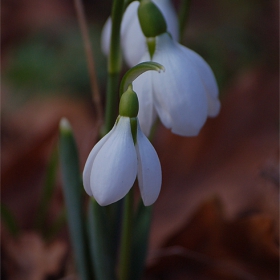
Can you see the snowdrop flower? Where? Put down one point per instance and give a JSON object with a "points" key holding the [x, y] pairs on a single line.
{"points": [[120, 156], [133, 41], [186, 93], [183, 96]]}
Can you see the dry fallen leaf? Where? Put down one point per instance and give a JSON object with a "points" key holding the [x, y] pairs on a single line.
{"points": [[29, 258], [211, 247]]}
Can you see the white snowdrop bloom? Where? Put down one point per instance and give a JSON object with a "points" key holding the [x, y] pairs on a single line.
{"points": [[183, 96], [133, 41], [115, 161]]}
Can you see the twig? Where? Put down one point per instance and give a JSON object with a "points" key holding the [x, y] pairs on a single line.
{"points": [[90, 61]]}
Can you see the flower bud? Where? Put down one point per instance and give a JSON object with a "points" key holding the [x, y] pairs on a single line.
{"points": [[129, 105], [151, 19]]}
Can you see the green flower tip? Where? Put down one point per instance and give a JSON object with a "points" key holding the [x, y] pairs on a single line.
{"points": [[129, 104], [151, 19], [64, 125]]}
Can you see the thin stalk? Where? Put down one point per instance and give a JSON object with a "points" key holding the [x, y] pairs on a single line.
{"points": [[114, 62], [126, 241], [90, 61], [111, 101], [114, 66], [183, 17]]}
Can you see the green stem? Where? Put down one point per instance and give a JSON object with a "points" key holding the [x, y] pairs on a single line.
{"points": [[114, 63], [126, 241], [114, 66], [111, 101], [183, 17]]}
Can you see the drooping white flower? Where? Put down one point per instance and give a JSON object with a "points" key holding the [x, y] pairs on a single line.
{"points": [[133, 42], [114, 163], [183, 96]]}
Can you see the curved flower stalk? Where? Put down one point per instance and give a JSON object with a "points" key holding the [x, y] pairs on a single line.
{"points": [[120, 156], [133, 41], [183, 96]]}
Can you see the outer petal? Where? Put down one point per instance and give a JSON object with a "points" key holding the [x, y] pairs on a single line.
{"points": [[129, 15], [133, 41], [208, 80], [143, 87], [115, 166], [179, 94], [149, 169], [90, 160]]}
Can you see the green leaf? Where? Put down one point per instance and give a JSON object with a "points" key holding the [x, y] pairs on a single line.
{"points": [[73, 198], [9, 220], [102, 252], [136, 71], [140, 240]]}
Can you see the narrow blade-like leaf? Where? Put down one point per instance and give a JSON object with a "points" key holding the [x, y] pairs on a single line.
{"points": [[73, 198], [140, 240], [101, 251]]}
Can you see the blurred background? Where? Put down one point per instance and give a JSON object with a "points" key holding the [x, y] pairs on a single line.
{"points": [[217, 216]]}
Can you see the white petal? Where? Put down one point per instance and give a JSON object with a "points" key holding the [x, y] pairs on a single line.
{"points": [[115, 166], [149, 169], [106, 36], [208, 79], [179, 94], [147, 114], [129, 15], [90, 160], [133, 42]]}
